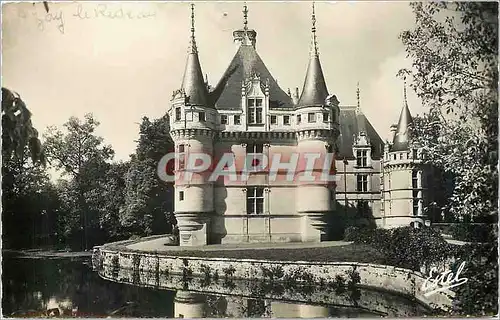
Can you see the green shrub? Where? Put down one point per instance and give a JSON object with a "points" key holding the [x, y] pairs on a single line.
{"points": [[479, 295], [364, 235], [473, 232]]}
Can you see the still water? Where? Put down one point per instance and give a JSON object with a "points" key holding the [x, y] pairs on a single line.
{"points": [[40, 287]]}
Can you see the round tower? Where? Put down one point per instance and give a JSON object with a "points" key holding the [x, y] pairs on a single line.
{"points": [[192, 127], [402, 171], [317, 127]]}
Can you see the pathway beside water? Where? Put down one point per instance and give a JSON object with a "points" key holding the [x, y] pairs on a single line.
{"points": [[158, 244]]}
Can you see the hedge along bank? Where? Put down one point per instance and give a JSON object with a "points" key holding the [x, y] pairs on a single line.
{"points": [[392, 279]]}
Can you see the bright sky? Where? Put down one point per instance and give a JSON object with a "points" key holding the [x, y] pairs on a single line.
{"points": [[71, 62]]}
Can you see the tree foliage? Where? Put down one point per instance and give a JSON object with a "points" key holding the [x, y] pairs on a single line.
{"points": [[84, 159], [148, 200], [454, 48], [17, 129]]}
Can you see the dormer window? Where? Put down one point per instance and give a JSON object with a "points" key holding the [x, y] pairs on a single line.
{"points": [[178, 114], [311, 117], [223, 119], [274, 120], [237, 119], [254, 111], [361, 158], [201, 116], [326, 116]]}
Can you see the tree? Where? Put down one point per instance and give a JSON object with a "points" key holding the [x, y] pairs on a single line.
{"points": [[17, 130], [148, 200], [83, 157], [27, 201], [454, 48]]}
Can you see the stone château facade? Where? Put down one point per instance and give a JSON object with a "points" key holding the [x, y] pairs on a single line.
{"points": [[247, 112]]}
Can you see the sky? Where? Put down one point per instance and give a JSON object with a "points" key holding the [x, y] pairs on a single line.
{"points": [[122, 60]]}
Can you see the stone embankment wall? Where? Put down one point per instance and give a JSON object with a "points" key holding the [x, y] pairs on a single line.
{"points": [[380, 277]]}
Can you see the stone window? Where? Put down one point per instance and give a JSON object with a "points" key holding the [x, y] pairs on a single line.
{"points": [[415, 207], [255, 200], [223, 119], [361, 158], [311, 117], [237, 119], [182, 157], [326, 116], [286, 120], [255, 148], [362, 182], [414, 179], [299, 119], [177, 113], [181, 195], [201, 116], [274, 120], [254, 111]]}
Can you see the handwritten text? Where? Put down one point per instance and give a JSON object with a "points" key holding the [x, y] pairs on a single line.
{"points": [[437, 282]]}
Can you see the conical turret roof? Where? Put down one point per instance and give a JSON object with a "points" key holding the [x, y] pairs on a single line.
{"points": [[403, 135], [314, 91], [193, 83]]}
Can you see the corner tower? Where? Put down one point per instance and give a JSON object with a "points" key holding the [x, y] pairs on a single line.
{"points": [[192, 127], [402, 176], [317, 129]]}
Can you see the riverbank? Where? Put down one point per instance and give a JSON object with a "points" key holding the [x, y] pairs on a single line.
{"points": [[150, 262], [43, 253]]}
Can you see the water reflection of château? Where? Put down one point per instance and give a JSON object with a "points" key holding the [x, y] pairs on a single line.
{"points": [[198, 297]]}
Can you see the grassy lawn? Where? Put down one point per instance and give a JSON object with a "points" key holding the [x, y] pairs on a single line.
{"points": [[347, 253]]}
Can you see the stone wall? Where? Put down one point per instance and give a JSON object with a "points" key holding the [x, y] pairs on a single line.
{"points": [[392, 279]]}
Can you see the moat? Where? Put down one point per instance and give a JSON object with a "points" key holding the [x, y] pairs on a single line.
{"points": [[69, 287]]}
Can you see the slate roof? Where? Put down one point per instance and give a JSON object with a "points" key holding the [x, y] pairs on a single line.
{"points": [[314, 91], [246, 62], [403, 133], [350, 125]]}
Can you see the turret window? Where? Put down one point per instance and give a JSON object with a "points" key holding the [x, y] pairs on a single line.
{"points": [[201, 116], [274, 120], [177, 114], [255, 111], [182, 157], [311, 117], [181, 195], [223, 119], [414, 179], [326, 117], [286, 120], [255, 200], [255, 148], [415, 207], [361, 158], [362, 182], [237, 119]]}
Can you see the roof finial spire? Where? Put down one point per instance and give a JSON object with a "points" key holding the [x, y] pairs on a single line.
{"points": [[358, 107], [192, 46], [314, 50], [245, 17], [404, 91]]}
